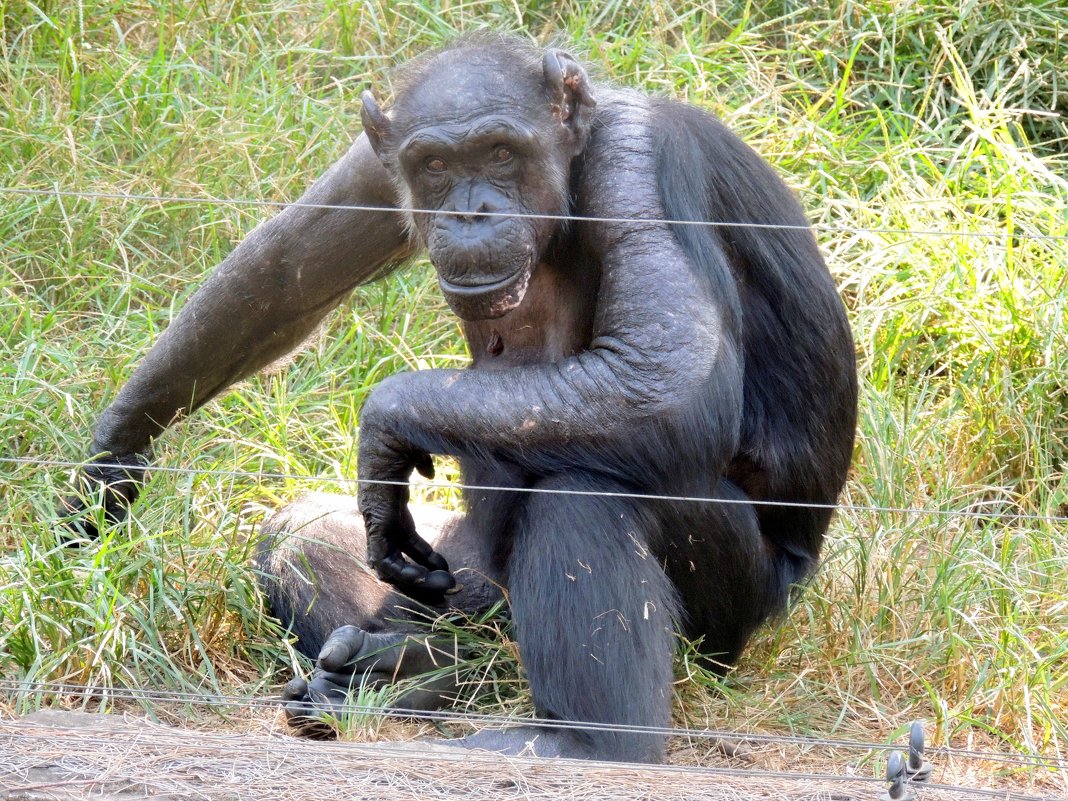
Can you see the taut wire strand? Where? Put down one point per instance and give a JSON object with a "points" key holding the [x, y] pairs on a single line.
{"points": [[11, 190], [918, 511], [231, 745], [9, 686]]}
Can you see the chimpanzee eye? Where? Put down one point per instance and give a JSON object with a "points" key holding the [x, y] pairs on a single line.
{"points": [[501, 154], [435, 165]]}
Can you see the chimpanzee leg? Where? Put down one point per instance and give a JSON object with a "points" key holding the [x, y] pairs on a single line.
{"points": [[594, 616], [730, 575], [317, 582]]}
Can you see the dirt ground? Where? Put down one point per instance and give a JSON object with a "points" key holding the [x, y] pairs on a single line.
{"points": [[59, 756]]}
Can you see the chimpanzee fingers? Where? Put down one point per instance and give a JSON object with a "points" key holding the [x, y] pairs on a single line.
{"points": [[384, 555], [438, 579], [442, 582], [396, 570], [424, 464], [420, 550], [114, 484], [428, 586], [427, 578]]}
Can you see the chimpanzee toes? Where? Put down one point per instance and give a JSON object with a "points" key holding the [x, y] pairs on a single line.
{"points": [[307, 711], [305, 722], [295, 689], [341, 647]]}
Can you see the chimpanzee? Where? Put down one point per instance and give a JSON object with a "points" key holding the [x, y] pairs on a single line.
{"points": [[619, 355]]}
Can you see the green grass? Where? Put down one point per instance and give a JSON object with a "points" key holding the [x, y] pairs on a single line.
{"points": [[924, 116]]}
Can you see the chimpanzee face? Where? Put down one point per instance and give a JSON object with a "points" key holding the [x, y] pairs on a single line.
{"points": [[476, 142], [476, 171]]}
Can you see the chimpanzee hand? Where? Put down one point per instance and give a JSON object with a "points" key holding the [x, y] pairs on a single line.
{"points": [[115, 480], [391, 533]]}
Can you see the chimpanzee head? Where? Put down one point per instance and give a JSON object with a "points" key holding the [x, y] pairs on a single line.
{"points": [[486, 129]]}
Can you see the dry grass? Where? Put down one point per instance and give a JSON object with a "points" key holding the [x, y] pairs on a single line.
{"points": [[87, 755]]}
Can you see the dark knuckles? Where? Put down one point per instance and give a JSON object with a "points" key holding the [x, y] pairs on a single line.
{"points": [[440, 581], [436, 563], [117, 480]]}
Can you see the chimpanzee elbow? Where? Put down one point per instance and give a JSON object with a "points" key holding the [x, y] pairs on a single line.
{"points": [[660, 375]]}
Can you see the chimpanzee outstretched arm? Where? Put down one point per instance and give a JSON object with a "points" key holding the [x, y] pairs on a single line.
{"points": [[659, 342], [258, 304]]}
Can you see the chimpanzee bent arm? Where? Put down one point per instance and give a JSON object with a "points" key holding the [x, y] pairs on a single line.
{"points": [[262, 300], [659, 341]]}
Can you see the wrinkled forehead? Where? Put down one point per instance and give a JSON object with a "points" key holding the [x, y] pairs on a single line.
{"points": [[460, 85]]}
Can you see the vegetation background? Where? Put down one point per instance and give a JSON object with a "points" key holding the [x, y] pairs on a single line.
{"points": [[926, 138]]}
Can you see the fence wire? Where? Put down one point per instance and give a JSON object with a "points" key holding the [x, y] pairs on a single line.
{"points": [[23, 461], [12, 687], [222, 742], [281, 204]]}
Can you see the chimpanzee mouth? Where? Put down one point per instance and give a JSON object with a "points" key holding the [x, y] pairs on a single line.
{"points": [[488, 300], [477, 289]]}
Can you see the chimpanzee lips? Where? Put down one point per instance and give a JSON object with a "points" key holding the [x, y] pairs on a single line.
{"points": [[487, 300], [479, 288]]}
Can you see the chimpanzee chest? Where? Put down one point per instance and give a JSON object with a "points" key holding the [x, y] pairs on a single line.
{"points": [[555, 320]]}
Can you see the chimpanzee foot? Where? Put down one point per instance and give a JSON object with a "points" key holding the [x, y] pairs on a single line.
{"points": [[309, 714], [526, 741], [352, 660]]}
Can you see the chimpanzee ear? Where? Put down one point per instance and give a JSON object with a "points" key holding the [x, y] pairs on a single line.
{"points": [[375, 123], [569, 94]]}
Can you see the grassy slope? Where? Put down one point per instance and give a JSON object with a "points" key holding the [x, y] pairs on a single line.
{"points": [[923, 116]]}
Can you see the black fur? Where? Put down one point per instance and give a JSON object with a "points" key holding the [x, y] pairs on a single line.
{"points": [[712, 361]]}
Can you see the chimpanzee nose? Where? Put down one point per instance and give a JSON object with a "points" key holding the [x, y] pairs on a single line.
{"points": [[479, 214], [478, 204]]}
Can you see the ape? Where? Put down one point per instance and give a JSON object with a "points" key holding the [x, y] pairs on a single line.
{"points": [[630, 353]]}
